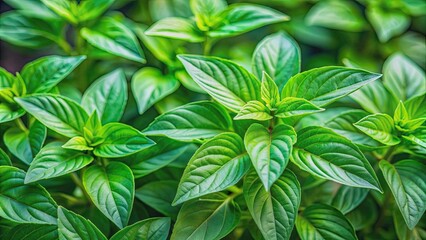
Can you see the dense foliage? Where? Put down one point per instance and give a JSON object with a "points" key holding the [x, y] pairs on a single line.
{"points": [[205, 119]]}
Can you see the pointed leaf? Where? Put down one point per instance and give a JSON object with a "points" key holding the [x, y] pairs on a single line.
{"points": [[387, 24], [348, 198], [149, 229], [269, 91], [218, 164], [32, 231], [176, 28], [4, 159], [88, 10], [72, 226], [254, 110], [380, 127], [291, 107]]}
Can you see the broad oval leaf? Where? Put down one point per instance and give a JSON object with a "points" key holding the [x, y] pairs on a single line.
{"points": [[192, 121], [327, 155], [58, 113], [113, 37], [120, 140], [380, 127], [218, 164], [219, 215], [43, 74], [23, 203], [320, 221], [176, 28], [241, 18], [348, 198], [406, 179], [54, 161], [72, 226], [149, 86], [325, 85], [148, 229], [274, 211], [387, 23], [292, 106], [228, 83], [112, 189], [403, 78], [30, 231], [108, 96], [269, 150], [279, 56], [254, 110]]}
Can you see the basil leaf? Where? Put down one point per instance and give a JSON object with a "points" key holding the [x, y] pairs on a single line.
{"points": [[8, 114], [292, 106], [324, 154], [149, 229], [387, 24], [120, 140], [115, 38], [24, 203], [279, 56], [64, 8], [403, 78], [54, 161], [269, 150], [228, 83], [320, 221], [415, 107], [32, 231], [325, 85], [162, 200], [348, 198], [269, 91], [154, 157], [88, 10], [43, 74], [199, 120], [4, 159], [406, 181], [33, 8], [254, 110], [149, 86], [359, 219], [274, 211], [176, 28], [108, 96], [375, 98], [241, 18], [206, 12], [219, 216], [77, 143], [218, 164], [58, 113], [73, 226], [112, 190], [380, 127]]}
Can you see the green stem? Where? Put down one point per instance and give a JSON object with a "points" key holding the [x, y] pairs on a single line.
{"points": [[64, 46], [208, 43], [76, 179], [21, 125]]}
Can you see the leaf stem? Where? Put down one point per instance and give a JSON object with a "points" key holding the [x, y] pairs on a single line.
{"points": [[208, 43], [21, 125], [76, 179]]}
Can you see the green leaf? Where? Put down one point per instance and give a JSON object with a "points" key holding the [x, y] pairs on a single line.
{"points": [[228, 83], [120, 140], [58, 113], [206, 12], [41, 75], [325, 85], [73, 226], [32, 232], [218, 164], [358, 217], [155, 157], [348, 198], [149, 229], [176, 28], [88, 10], [112, 190], [269, 91], [6, 78], [77, 143], [160, 200], [27, 31], [415, 107], [54, 161], [403, 78], [4, 159], [254, 110], [17, 142], [115, 38], [8, 114], [199, 120], [418, 137], [108, 96], [292, 106], [340, 15], [241, 18], [274, 211], [24, 203], [279, 56], [406, 181], [387, 24], [33, 8], [401, 229], [320, 221], [217, 217], [380, 127], [269, 150], [327, 155], [149, 86], [64, 8]]}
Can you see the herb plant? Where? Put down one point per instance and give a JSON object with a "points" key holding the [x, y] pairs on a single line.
{"points": [[205, 142]]}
